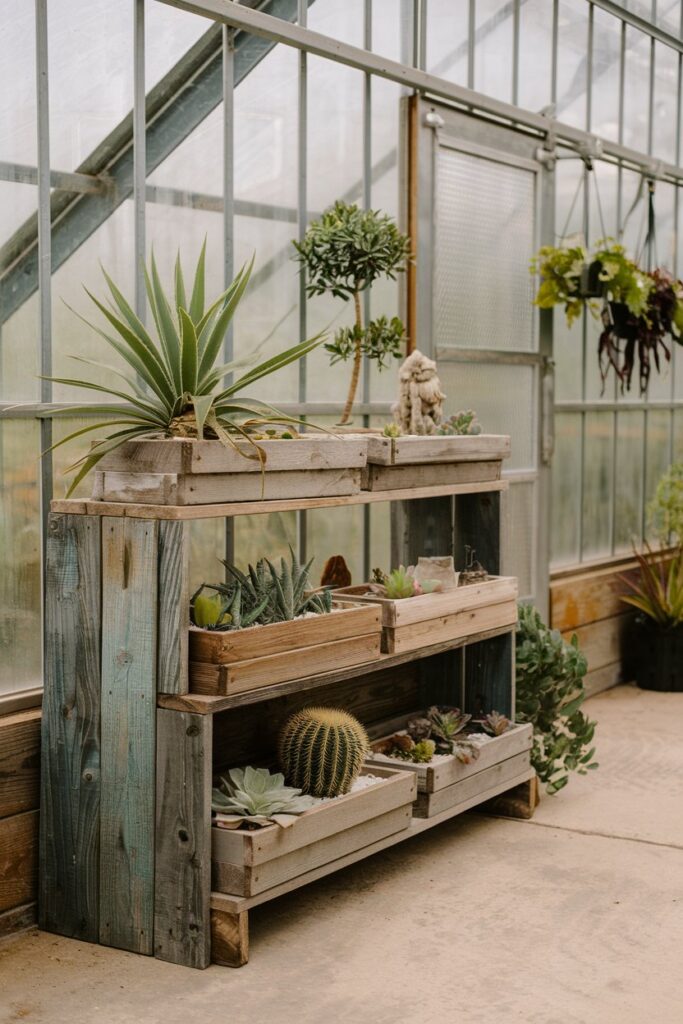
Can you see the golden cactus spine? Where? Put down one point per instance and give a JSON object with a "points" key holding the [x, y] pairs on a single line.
{"points": [[321, 750]]}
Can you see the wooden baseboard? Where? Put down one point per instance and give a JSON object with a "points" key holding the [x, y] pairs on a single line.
{"points": [[17, 920]]}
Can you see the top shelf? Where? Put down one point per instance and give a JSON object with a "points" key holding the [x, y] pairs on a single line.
{"points": [[85, 507]]}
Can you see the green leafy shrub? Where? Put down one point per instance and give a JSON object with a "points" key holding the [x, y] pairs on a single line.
{"points": [[549, 695]]}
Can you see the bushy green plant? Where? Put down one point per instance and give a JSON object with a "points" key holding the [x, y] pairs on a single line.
{"points": [[260, 596], [321, 750], [255, 793], [176, 388], [550, 693], [398, 584], [344, 253], [665, 511]]}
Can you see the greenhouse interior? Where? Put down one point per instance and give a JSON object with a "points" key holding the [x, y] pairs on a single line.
{"points": [[341, 489]]}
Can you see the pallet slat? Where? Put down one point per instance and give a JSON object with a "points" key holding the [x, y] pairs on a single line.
{"points": [[394, 451], [70, 773], [388, 478], [19, 762], [129, 655], [174, 602], [429, 804]]}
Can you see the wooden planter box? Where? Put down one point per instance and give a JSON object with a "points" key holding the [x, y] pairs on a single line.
{"points": [[396, 462], [174, 471], [447, 783], [246, 863], [247, 659], [414, 622]]}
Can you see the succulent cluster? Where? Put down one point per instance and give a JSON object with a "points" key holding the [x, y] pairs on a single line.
{"points": [[321, 750], [462, 422], [441, 731], [399, 584], [260, 596], [256, 796]]}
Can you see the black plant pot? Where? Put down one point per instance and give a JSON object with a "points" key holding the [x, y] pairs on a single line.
{"points": [[624, 323], [591, 286], [658, 660]]}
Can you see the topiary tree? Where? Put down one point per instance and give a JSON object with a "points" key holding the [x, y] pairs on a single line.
{"points": [[344, 253], [549, 695]]}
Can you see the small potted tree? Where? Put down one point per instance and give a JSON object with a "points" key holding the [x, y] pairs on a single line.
{"points": [[343, 254]]}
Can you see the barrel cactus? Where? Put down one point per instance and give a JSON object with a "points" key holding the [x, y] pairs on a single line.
{"points": [[321, 751]]}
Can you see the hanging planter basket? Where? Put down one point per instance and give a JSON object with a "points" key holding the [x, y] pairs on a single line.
{"points": [[590, 285]]}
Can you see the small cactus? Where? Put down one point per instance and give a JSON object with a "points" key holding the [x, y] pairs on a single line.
{"points": [[463, 422], [321, 751]]}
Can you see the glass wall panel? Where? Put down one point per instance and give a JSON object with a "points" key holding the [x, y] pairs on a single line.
{"points": [[20, 596], [605, 79], [665, 105], [628, 498], [597, 484], [266, 536], [636, 89], [447, 32], [534, 88], [657, 451], [336, 531], [566, 489], [572, 63], [493, 48]]}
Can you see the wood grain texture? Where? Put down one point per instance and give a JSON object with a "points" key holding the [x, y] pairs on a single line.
{"points": [[70, 775], [18, 919], [174, 605], [603, 642], [478, 524], [389, 478], [421, 528], [463, 624], [505, 774], [137, 510], [175, 455], [206, 488], [229, 938], [589, 595], [19, 762], [490, 676], [209, 704], [519, 802], [604, 678], [224, 648], [432, 606], [129, 656], [261, 673], [182, 877], [396, 451], [18, 859]]}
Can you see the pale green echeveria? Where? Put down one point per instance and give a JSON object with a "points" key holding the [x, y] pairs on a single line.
{"points": [[258, 794]]}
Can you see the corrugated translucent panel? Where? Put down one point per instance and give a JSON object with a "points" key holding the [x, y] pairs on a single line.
{"points": [[380, 534], [20, 601], [485, 237], [597, 485], [519, 557], [336, 531], [629, 480], [566, 494], [504, 399], [657, 452]]}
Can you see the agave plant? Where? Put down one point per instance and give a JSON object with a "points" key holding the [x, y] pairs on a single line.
{"points": [[254, 794], [177, 388], [658, 593], [446, 725], [495, 724]]}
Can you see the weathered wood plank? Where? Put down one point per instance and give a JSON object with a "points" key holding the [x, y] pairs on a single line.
{"points": [[465, 623], [490, 676], [70, 778], [19, 762], [604, 678], [174, 604], [406, 611], [182, 878], [129, 656], [430, 474], [603, 642], [229, 938], [260, 673], [422, 528], [396, 451], [206, 488], [18, 859], [138, 510], [18, 919], [519, 802], [477, 525], [477, 785]]}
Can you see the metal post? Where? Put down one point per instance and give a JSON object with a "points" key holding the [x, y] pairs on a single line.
{"points": [[228, 47], [367, 200], [139, 155], [471, 26], [302, 215]]}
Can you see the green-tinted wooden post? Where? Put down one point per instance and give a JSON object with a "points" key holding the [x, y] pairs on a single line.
{"points": [[174, 603], [129, 662], [70, 765]]}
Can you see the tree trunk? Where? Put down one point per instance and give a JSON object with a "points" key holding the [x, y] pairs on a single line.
{"points": [[357, 360]]}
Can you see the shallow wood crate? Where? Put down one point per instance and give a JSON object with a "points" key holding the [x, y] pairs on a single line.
{"points": [[236, 661], [415, 622], [246, 863], [176, 471], [477, 784], [443, 774], [409, 450]]}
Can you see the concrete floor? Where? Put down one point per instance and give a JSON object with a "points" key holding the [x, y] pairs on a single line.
{"points": [[573, 918]]}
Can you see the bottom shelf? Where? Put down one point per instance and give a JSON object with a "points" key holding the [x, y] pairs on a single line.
{"points": [[237, 904]]}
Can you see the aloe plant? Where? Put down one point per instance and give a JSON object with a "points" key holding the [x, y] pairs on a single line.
{"points": [[177, 384]]}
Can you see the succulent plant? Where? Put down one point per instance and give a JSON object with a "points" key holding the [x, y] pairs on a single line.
{"points": [[423, 751], [495, 724], [255, 793], [463, 422], [209, 610], [419, 728], [465, 751], [446, 725], [399, 584], [391, 430], [321, 750], [289, 590]]}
